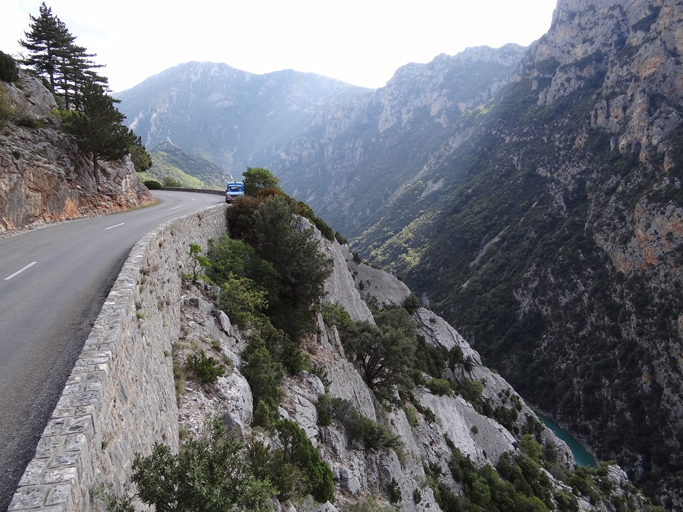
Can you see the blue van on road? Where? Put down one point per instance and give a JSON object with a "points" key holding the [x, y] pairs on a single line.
{"points": [[233, 191]]}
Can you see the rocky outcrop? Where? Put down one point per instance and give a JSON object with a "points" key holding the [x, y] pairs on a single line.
{"points": [[358, 471], [43, 177], [373, 283], [340, 286]]}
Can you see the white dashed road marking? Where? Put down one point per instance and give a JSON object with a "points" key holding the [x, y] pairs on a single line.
{"points": [[20, 271]]}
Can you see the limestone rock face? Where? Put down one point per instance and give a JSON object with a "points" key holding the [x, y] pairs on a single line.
{"points": [[43, 177], [439, 333], [30, 96], [227, 115], [584, 144], [351, 161], [340, 286], [359, 471], [373, 283]]}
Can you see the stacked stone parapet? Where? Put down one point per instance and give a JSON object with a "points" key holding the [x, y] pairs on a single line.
{"points": [[120, 397]]}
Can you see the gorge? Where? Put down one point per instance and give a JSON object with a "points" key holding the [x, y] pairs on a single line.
{"points": [[539, 212]]}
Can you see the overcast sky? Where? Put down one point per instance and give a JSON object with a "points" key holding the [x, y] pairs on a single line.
{"points": [[361, 42]]}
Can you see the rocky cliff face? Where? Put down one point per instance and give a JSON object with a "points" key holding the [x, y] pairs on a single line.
{"points": [[43, 178], [427, 438], [346, 151], [548, 230], [357, 156], [230, 117]]}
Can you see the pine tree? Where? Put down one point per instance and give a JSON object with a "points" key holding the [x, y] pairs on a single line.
{"points": [[55, 56], [46, 44], [98, 128], [89, 115]]}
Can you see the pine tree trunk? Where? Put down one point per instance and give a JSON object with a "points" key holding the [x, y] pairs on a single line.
{"points": [[96, 170]]}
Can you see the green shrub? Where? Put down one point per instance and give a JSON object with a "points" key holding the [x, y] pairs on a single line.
{"points": [[168, 181], [320, 371], [429, 359], [324, 229], [9, 72], [207, 368], [369, 505], [530, 448], [411, 415], [334, 314], [373, 435], [417, 496], [426, 412], [209, 474], [27, 121], [325, 410], [395, 495], [241, 300], [258, 178], [241, 217], [412, 303], [140, 158], [384, 353], [197, 262], [566, 501], [153, 185], [301, 268], [440, 387], [470, 390], [274, 465], [299, 450], [229, 257], [267, 192], [340, 238], [264, 375]]}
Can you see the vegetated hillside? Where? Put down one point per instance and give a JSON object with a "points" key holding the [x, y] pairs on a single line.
{"points": [[357, 401], [230, 117], [43, 176], [171, 161], [555, 240], [359, 154]]}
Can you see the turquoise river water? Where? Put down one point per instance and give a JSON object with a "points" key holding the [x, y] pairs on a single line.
{"points": [[581, 456]]}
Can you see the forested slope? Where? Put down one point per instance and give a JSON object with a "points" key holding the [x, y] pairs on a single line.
{"points": [[554, 239]]}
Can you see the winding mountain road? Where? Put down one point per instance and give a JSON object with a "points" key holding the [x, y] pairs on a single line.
{"points": [[53, 282]]}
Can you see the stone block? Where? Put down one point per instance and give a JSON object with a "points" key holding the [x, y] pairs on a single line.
{"points": [[60, 495], [59, 475], [49, 446], [28, 498], [33, 474], [65, 426]]}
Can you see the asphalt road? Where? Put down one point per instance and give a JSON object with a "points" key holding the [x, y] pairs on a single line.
{"points": [[53, 282]]}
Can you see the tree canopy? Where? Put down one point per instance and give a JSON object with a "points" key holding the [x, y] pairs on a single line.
{"points": [[98, 128], [384, 353], [258, 178], [88, 111], [54, 55]]}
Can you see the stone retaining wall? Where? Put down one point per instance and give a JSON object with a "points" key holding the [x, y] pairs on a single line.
{"points": [[120, 397], [202, 190]]}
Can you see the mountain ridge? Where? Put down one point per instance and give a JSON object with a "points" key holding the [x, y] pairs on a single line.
{"points": [[227, 116], [553, 240]]}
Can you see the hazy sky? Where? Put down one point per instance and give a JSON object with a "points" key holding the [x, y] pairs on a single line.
{"points": [[358, 41]]}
